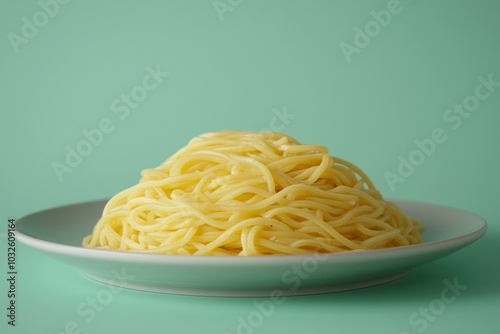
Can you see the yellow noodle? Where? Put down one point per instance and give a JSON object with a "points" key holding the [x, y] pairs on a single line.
{"points": [[251, 193]]}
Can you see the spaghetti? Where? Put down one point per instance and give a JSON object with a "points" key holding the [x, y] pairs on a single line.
{"points": [[251, 193]]}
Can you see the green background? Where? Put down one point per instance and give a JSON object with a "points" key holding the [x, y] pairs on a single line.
{"points": [[237, 69]]}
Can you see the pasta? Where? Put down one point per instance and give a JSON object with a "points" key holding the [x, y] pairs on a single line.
{"points": [[251, 193]]}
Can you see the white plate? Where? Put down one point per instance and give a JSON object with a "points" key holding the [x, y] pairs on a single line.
{"points": [[59, 232]]}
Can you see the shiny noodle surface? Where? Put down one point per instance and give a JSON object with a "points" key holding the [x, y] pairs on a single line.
{"points": [[251, 193]]}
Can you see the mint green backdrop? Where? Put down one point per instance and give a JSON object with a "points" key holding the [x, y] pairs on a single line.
{"points": [[407, 90]]}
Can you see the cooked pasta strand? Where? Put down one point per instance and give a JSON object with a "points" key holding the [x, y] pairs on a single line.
{"points": [[251, 193]]}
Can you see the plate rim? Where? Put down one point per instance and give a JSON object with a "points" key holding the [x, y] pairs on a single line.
{"points": [[125, 256]]}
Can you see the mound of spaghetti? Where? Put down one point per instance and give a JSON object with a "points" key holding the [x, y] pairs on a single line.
{"points": [[251, 193]]}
